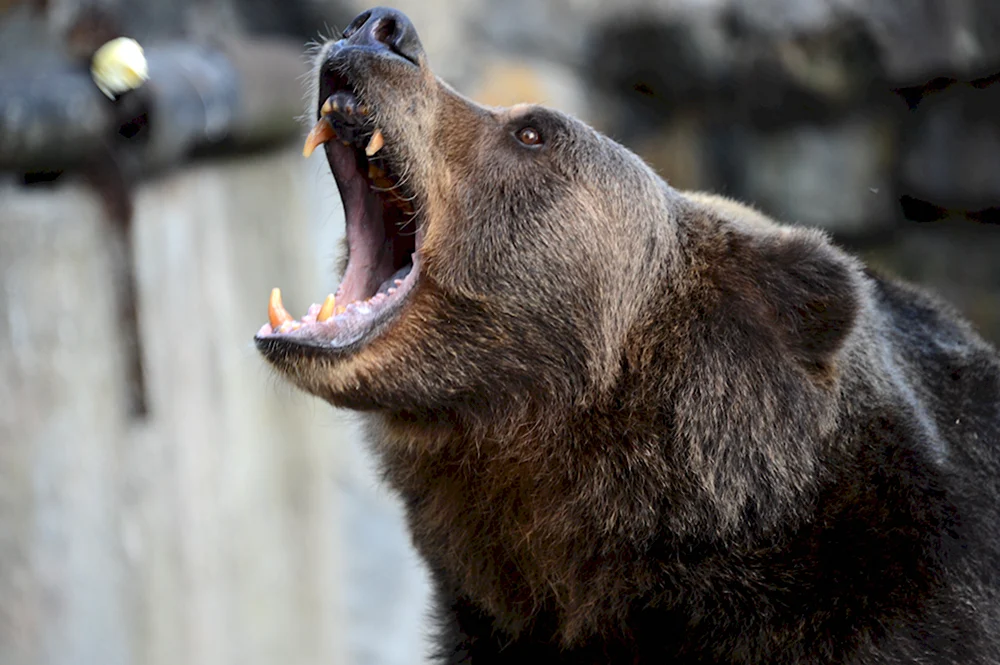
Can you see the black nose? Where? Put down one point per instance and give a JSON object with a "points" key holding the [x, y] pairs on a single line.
{"points": [[384, 28]]}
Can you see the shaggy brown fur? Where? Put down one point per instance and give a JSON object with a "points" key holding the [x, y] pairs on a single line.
{"points": [[634, 425]]}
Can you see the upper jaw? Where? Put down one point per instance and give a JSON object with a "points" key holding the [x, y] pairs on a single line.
{"points": [[367, 72]]}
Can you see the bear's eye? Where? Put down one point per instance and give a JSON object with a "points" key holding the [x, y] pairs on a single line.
{"points": [[529, 136]]}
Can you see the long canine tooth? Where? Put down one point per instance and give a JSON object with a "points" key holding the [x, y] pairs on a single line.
{"points": [[321, 132], [375, 143], [326, 311], [327, 107], [276, 312]]}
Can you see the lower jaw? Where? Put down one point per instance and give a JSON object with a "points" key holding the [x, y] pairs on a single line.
{"points": [[349, 326]]}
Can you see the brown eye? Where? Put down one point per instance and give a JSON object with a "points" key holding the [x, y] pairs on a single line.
{"points": [[529, 136]]}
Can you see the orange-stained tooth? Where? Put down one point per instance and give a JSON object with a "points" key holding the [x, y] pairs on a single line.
{"points": [[375, 143], [327, 107], [341, 309], [321, 132], [276, 312], [326, 311], [289, 326]]}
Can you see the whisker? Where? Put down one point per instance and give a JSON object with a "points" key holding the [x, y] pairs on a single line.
{"points": [[398, 186], [411, 217], [406, 199], [409, 234]]}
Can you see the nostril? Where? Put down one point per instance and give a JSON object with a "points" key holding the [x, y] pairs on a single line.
{"points": [[356, 24], [385, 31]]}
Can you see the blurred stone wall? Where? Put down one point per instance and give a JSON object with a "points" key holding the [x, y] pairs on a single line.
{"points": [[233, 520], [203, 528]]}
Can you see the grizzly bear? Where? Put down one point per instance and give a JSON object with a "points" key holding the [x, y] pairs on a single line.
{"points": [[631, 425]]}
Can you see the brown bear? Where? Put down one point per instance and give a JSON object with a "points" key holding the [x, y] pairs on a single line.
{"points": [[632, 425]]}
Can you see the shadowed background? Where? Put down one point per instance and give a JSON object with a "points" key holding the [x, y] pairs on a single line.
{"points": [[164, 499]]}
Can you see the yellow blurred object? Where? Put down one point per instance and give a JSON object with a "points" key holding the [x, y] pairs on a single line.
{"points": [[119, 66]]}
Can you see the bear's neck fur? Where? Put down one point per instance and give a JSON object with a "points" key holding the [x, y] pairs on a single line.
{"points": [[699, 465]]}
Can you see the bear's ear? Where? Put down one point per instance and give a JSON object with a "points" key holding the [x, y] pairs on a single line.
{"points": [[798, 286]]}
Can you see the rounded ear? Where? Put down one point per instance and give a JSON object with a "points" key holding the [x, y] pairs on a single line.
{"points": [[794, 282]]}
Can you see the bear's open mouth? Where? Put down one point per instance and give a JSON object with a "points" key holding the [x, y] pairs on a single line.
{"points": [[382, 228]]}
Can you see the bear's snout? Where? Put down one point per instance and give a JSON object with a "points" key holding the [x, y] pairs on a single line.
{"points": [[384, 29]]}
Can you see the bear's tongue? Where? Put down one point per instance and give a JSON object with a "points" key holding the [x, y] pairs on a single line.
{"points": [[371, 256]]}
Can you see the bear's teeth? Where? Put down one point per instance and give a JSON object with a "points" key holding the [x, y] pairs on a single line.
{"points": [[327, 310], [276, 311], [321, 132], [375, 143]]}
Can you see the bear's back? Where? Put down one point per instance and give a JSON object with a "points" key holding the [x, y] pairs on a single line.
{"points": [[954, 376]]}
